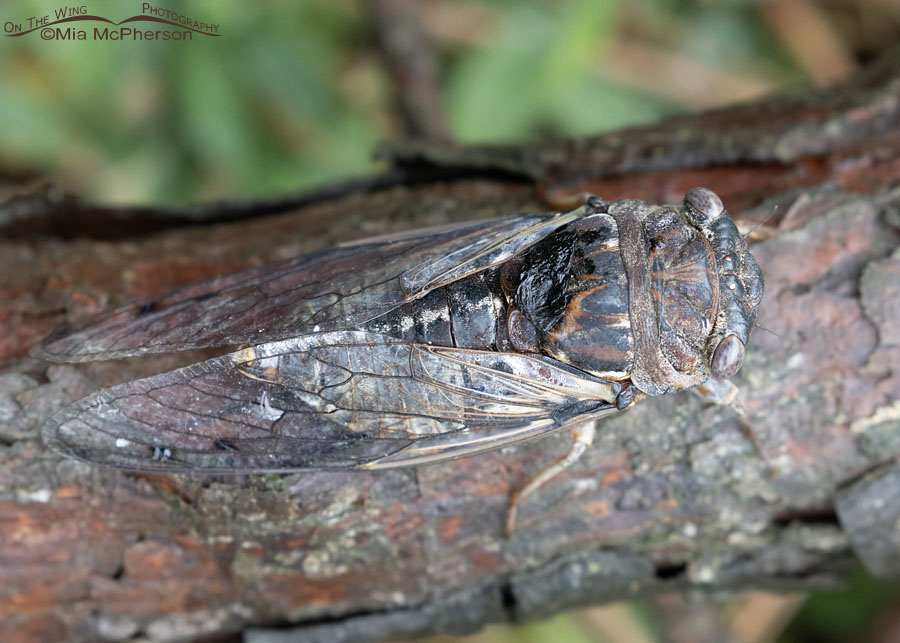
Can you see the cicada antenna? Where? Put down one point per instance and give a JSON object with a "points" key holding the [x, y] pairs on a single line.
{"points": [[798, 203], [772, 332], [747, 234]]}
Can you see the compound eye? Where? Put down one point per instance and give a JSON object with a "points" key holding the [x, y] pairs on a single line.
{"points": [[597, 205], [703, 205], [728, 358]]}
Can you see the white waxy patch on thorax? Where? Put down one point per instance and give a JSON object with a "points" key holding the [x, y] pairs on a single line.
{"points": [[498, 304]]}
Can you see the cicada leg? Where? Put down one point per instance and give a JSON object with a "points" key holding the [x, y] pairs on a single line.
{"points": [[726, 393], [582, 438]]}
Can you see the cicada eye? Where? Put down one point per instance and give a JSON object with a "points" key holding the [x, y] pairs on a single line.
{"points": [[702, 205], [728, 358], [597, 205]]}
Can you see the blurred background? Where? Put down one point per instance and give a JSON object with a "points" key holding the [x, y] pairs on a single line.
{"points": [[297, 94], [294, 94]]}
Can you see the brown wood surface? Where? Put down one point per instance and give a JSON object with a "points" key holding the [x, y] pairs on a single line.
{"points": [[672, 496]]}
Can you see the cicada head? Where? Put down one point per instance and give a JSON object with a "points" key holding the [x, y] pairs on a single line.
{"points": [[740, 283]]}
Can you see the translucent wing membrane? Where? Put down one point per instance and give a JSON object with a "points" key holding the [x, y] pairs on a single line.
{"points": [[329, 290], [345, 399]]}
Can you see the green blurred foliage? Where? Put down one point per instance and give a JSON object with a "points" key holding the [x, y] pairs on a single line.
{"points": [[852, 613], [537, 74], [267, 106], [558, 628], [295, 94]]}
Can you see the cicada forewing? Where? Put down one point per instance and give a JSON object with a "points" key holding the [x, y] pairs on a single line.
{"points": [[334, 289], [338, 400]]}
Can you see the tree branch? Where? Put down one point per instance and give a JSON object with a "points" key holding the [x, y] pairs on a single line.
{"points": [[672, 496]]}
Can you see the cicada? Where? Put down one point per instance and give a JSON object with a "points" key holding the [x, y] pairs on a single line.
{"points": [[422, 347]]}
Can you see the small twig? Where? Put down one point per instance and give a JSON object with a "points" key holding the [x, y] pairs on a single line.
{"points": [[412, 64]]}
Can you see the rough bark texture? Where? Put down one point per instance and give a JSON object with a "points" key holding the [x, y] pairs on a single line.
{"points": [[673, 496]]}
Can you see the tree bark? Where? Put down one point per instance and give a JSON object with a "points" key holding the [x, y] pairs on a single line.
{"points": [[672, 496]]}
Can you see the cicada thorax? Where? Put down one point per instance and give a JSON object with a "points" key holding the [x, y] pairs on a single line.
{"points": [[684, 286], [583, 298], [637, 291], [569, 299]]}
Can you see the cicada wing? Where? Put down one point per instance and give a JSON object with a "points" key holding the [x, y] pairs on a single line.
{"points": [[329, 290], [336, 400]]}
